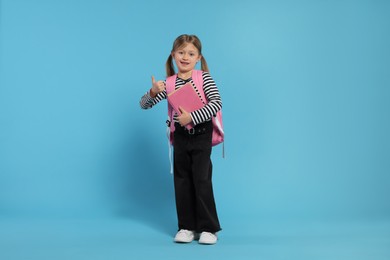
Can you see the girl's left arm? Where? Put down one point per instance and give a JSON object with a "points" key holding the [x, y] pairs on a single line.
{"points": [[214, 101]]}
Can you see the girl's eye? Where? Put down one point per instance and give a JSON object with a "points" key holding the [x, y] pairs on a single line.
{"points": [[191, 54]]}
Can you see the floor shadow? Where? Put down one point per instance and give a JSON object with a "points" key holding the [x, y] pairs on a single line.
{"points": [[143, 190]]}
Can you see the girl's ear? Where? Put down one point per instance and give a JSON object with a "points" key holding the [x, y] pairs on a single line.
{"points": [[173, 55]]}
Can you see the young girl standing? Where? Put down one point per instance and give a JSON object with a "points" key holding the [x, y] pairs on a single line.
{"points": [[195, 205]]}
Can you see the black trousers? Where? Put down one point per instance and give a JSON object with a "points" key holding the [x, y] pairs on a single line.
{"points": [[194, 195]]}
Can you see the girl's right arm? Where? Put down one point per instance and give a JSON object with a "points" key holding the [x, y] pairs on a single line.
{"points": [[154, 95]]}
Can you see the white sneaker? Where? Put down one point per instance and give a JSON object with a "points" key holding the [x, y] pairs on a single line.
{"points": [[208, 238], [184, 236]]}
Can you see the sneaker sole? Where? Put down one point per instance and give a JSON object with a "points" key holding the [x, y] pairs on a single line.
{"points": [[183, 241], [207, 243]]}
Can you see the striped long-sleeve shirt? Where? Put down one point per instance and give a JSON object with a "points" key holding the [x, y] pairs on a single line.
{"points": [[198, 116]]}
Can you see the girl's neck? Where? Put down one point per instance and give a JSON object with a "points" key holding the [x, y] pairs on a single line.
{"points": [[185, 75]]}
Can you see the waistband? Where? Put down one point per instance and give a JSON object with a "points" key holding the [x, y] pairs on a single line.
{"points": [[199, 129]]}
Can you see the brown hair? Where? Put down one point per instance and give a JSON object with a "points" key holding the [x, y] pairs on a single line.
{"points": [[179, 42]]}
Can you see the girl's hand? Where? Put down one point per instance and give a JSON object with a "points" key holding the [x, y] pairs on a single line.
{"points": [[157, 87], [184, 118]]}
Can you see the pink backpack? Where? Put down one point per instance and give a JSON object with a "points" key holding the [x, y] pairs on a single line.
{"points": [[197, 77]]}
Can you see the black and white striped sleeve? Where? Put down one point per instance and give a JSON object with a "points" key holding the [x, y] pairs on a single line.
{"points": [[214, 101], [148, 102]]}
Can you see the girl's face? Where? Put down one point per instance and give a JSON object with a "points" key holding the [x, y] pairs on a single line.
{"points": [[186, 57]]}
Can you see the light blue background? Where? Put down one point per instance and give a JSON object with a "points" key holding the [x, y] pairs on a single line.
{"points": [[306, 91]]}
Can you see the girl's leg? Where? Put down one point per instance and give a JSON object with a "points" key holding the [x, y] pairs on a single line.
{"points": [[183, 182], [207, 218]]}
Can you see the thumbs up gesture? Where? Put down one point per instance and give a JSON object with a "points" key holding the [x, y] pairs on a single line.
{"points": [[157, 87]]}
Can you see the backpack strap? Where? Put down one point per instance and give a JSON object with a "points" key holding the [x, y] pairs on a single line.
{"points": [[197, 77], [170, 87]]}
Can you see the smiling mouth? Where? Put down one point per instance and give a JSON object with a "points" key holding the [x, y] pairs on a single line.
{"points": [[184, 63]]}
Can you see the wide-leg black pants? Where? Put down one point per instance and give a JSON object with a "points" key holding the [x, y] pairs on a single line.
{"points": [[194, 195]]}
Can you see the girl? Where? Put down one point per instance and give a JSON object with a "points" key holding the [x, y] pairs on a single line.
{"points": [[196, 210]]}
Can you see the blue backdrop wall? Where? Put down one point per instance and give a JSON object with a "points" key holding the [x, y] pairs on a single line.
{"points": [[305, 86]]}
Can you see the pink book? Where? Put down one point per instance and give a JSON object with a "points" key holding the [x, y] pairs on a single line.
{"points": [[186, 98]]}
